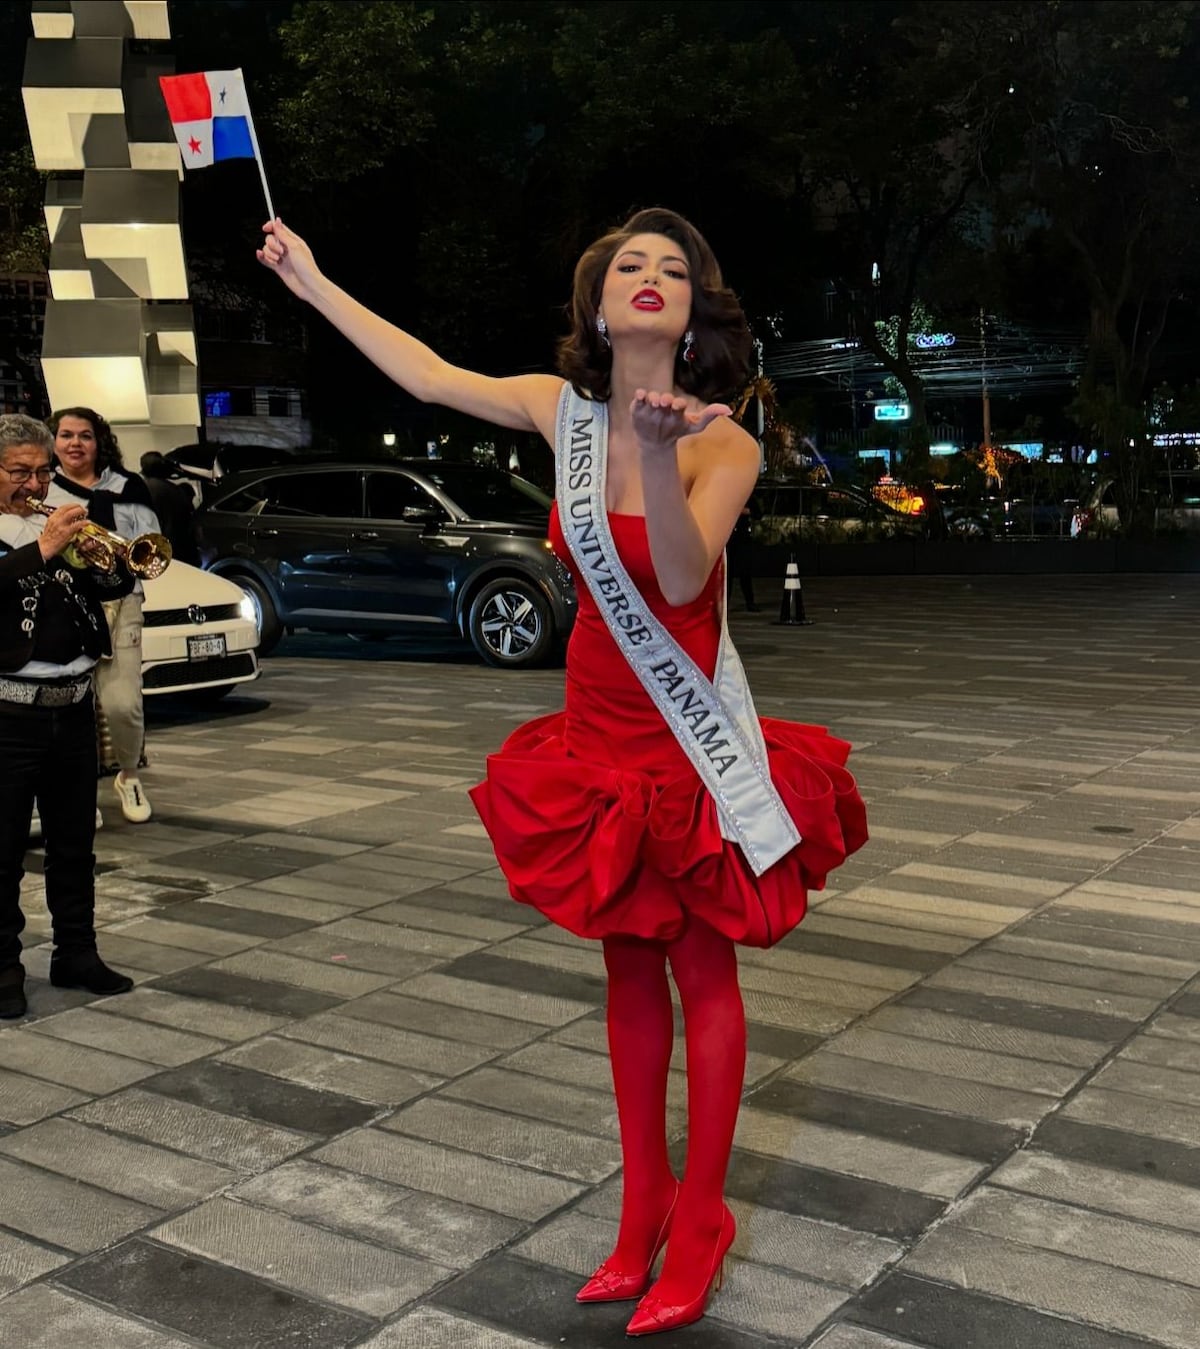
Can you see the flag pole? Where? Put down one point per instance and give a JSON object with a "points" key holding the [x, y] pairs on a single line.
{"points": [[262, 173]]}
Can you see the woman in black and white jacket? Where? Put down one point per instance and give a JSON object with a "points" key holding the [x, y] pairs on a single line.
{"points": [[89, 472]]}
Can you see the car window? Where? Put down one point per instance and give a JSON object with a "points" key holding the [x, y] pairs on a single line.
{"points": [[1179, 490], [842, 506], [489, 494], [336, 493], [389, 493]]}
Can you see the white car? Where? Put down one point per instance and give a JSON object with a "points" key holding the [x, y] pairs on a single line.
{"points": [[199, 634]]}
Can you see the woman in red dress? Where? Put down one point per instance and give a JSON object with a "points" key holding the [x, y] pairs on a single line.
{"points": [[599, 816]]}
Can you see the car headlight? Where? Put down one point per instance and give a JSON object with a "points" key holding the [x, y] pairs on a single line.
{"points": [[248, 609]]}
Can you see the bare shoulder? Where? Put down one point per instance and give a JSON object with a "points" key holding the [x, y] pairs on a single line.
{"points": [[723, 443]]}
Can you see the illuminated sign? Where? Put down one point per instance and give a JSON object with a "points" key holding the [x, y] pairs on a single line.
{"points": [[931, 341], [892, 410]]}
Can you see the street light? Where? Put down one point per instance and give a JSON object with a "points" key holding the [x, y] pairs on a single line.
{"points": [[389, 438]]}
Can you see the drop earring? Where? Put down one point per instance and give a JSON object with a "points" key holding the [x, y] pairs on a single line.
{"points": [[689, 341], [602, 329]]}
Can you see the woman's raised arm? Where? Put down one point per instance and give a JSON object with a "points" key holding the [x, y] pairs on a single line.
{"points": [[522, 402]]}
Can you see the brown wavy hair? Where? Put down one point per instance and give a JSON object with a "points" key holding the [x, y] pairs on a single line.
{"points": [[722, 336], [108, 451]]}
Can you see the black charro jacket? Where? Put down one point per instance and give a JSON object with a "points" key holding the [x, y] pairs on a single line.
{"points": [[23, 578]]}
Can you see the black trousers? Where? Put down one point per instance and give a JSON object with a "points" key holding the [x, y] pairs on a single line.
{"points": [[48, 755], [740, 563]]}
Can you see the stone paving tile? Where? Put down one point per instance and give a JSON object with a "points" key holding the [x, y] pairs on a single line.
{"points": [[928, 1129], [989, 1035], [428, 1225], [1003, 1105], [946, 1317], [221, 1021], [232, 915], [453, 1174], [77, 1066], [1136, 1114], [952, 1060], [237, 1091], [23, 1261], [323, 977], [255, 995], [247, 1145], [66, 1213], [851, 1154], [540, 1146], [1088, 1291], [212, 1304], [885, 1210], [855, 1337], [428, 1328], [1138, 1247], [542, 1009], [591, 1112], [309, 1260], [442, 1020], [382, 1084], [1014, 1012], [25, 1100], [108, 1030], [373, 1040], [138, 1171], [48, 1318]]}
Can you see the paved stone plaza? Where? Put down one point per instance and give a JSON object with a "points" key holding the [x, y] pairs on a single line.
{"points": [[359, 1097]]}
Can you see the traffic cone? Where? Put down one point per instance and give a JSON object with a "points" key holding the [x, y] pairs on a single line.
{"points": [[791, 606]]}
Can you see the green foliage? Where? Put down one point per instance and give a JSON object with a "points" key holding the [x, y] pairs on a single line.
{"points": [[362, 66]]}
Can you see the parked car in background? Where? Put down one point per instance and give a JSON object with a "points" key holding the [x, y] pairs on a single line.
{"points": [[1040, 500], [417, 546], [798, 513], [199, 634], [1173, 505], [202, 467]]}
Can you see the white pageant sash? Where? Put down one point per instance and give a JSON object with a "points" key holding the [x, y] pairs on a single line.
{"points": [[716, 726]]}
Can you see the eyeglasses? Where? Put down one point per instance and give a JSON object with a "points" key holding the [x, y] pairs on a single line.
{"points": [[17, 476]]}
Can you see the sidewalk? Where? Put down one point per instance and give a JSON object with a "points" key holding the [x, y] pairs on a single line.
{"points": [[359, 1097]]}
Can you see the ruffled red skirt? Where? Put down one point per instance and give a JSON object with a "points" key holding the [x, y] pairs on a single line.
{"points": [[604, 850]]}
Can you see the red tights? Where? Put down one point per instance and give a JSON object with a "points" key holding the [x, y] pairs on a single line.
{"points": [[640, 1036]]}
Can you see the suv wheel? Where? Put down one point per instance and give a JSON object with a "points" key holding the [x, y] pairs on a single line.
{"points": [[510, 623]]}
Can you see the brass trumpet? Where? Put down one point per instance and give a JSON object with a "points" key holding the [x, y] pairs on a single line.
{"points": [[147, 556]]}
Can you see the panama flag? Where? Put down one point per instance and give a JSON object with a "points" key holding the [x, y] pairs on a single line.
{"points": [[210, 116]]}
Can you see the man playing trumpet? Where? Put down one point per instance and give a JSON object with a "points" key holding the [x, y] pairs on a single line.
{"points": [[52, 633]]}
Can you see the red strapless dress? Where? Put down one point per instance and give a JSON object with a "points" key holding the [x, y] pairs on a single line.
{"points": [[600, 821]]}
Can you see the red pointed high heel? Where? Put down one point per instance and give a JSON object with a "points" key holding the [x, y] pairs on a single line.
{"points": [[653, 1315], [611, 1285]]}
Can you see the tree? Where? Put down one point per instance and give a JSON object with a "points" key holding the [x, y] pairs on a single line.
{"points": [[1111, 160], [901, 116]]}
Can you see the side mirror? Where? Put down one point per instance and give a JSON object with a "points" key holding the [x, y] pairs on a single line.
{"points": [[421, 515]]}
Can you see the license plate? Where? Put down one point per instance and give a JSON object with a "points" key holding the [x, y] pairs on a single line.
{"points": [[204, 648]]}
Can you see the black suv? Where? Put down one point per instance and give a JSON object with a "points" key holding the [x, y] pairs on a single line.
{"points": [[406, 546]]}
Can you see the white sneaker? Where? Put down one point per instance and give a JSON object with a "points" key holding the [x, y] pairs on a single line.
{"points": [[132, 796]]}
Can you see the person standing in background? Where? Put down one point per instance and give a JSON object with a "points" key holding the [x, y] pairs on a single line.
{"points": [[90, 472]]}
